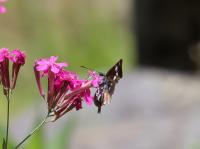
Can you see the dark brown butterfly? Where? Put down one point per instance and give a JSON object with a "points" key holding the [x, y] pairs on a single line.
{"points": [[106, 89]]}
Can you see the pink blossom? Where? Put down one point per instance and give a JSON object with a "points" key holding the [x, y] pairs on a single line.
{"points": [[68, 76], [73, 80], [4, 54], [66, 91], [17, 56], [49, 63], [18, 59], [38, 80], [4, 70], [51, 90], [52, 70], [96, 78], [87, 96], [78, 104], [2, 9], [56, 86], [74, 100]]}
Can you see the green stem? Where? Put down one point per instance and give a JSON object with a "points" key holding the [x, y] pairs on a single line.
{"points": [[8, 119], [32, 132]]}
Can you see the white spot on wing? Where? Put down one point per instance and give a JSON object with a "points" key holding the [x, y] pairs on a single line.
{"points": [[115, 77], [116, 68], [107, 98]]}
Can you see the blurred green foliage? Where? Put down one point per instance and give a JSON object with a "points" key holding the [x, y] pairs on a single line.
{"points": [[10, 143], [91, 33], [77, 32]]}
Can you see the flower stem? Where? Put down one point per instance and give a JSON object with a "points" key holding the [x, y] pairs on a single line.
{"points": [[32, 132], [8, 119]]}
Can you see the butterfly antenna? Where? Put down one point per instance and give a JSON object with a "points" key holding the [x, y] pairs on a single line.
{"points": [[90, 69], [86, 68]]}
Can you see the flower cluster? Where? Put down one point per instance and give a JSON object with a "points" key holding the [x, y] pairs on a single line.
{"points": [[17, 58], [65, 90], [2, 7]]}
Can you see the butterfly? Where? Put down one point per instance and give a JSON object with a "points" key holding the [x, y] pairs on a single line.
{"points": [[106, 88]]}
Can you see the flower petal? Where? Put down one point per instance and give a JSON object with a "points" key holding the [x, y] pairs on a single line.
{"points": [[41, 67], [55, 69], [88, 98], [53, 59], [62, 64], [38, 76], [3, 9]]}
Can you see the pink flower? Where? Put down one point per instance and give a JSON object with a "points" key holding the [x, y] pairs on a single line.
{"points": [[71, 78], [78, 104], [65, 90], [48, 67], [4, 70], [87, 96], [38, 80], [18, 59], [4, 54], [50, 63], [45, 66], [17, 56], [56, 86], [96, 78], [3, 9], [74, 100]]}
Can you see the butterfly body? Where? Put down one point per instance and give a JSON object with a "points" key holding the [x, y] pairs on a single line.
{"points": [[107, 86]]}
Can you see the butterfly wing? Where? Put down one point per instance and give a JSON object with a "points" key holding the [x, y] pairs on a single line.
{"points": [[99, 97], [115, 73]]}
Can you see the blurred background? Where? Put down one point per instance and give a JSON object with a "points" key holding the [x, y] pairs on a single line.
{"points": [[157, 103]]}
